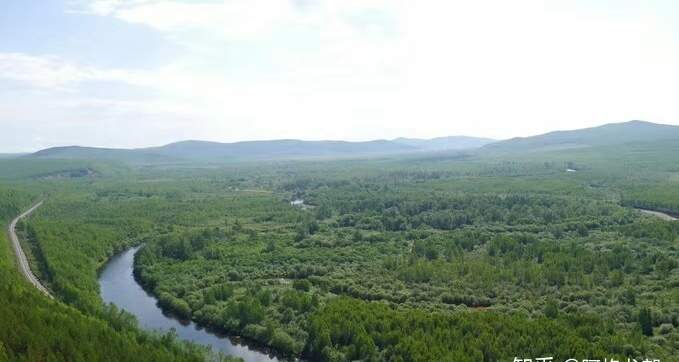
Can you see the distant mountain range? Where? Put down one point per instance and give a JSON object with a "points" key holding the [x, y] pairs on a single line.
{"points": [[11, 155], [608, 134], [445, 143], [263, 150], [203, 151]]}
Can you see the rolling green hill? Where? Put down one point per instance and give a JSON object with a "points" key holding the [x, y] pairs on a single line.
{"points": [[260, 150], [277, 149], [204, 151], [608, 134], [430, 256], [446, 143], [94, 153]]}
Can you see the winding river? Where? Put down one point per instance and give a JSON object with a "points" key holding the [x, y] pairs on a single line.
{"points": [[118, 286]]}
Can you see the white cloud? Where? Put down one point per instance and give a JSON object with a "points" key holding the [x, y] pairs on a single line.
{"points": [[45, 72], [233, 19], [335, 62], [54, 73], [526, 67], [237, 19], [361, 69]]}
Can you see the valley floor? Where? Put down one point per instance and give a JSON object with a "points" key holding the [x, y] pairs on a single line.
{"points": [[431, 257]]}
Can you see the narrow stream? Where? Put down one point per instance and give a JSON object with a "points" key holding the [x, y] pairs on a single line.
{"points": [[118, 286]]}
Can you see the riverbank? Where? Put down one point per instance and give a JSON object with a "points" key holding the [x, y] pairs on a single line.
{"points": [[119, 286]]}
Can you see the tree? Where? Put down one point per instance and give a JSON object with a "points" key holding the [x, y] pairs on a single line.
{"points": [[323, 212], [313, 227], [551, 309], [301, 284], [645, 322], [270, 246]]}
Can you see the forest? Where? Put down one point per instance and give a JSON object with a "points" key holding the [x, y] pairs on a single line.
{"points": [[456, 257], [339, 181], [34, 328]]}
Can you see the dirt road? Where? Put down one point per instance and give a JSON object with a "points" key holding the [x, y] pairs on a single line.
{"points": [[659, 214], [21, 257]]}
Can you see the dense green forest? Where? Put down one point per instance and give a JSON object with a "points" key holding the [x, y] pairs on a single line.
{"points": [[34, 328], [449, 256], [518, 255]]}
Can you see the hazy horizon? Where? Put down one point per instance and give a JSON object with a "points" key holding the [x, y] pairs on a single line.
{"points": [[134, 73], [309, 140], [314, 140]]}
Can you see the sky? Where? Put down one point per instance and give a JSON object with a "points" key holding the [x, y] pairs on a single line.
{"points": [[135, 73]]}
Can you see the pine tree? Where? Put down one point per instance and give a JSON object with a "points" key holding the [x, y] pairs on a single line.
{"points": [[645, 322]]}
